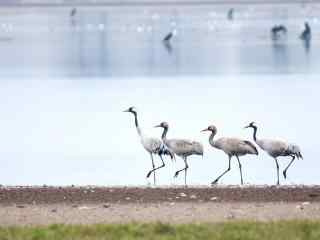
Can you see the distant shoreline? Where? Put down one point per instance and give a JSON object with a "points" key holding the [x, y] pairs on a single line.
{"points": [[100, 3]]}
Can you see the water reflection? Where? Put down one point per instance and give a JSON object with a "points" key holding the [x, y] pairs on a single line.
{"points": [[122, 41], [168, 46]]}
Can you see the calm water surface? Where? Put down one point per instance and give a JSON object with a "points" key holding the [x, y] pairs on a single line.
{"points": [[65, 81]]}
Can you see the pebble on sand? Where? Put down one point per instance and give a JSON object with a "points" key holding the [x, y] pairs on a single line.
{"points": [[183, 194], [83, 208]]}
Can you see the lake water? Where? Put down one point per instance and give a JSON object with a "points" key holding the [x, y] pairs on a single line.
{"points": [[64, 82]]}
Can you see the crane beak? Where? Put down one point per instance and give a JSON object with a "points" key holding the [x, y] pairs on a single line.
{"points": [[126, 110], [204, 130], [156, 126], [246, 127]]}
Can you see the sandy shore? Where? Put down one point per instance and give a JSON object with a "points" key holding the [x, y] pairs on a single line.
{"points": [[169, 212], [86, 205]]}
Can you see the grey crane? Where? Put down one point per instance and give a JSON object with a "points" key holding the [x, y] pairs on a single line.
{"points": [[230, 14], [232, 147], [277, 30], [276, 148], [306, 34], [168, 37], [151, 145], [73, 12], [181, 147]]}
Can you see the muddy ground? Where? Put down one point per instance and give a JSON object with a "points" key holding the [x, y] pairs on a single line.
{"points": [[86, 205], [92, 194]]}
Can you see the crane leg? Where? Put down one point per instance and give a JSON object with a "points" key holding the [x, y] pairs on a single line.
{"points": [[240, 167], [228, 169], [277, 164], [285, 170], [154, 173], [185, 172], [183, 169], [154, 169]]}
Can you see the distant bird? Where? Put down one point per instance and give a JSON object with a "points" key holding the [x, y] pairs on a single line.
{"points": [[73, 12], [230, 14], [168, 37], [276, 148], [232, 147], [306, 34], [151, 145], [181, 147], [277, 30]]}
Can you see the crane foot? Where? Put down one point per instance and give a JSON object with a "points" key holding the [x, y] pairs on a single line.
{"points": [[215, 182], [176, 174], [149, 173]]}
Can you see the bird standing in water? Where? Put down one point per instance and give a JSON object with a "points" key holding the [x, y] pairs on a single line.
{"points": [[306, 34]]}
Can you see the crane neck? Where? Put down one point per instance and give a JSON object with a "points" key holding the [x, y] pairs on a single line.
{"points": [[136, 123], [164, 133], [255, 129], [211, 141]]}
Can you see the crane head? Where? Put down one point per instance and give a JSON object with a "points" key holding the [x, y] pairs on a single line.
{"points": [[252, 125], [163, 125], [211, 128], [131, 110]]}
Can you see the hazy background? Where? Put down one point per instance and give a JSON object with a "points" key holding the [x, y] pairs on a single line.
{"points": [[64, 82]]}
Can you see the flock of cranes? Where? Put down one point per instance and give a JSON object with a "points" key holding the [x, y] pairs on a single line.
{"points": [[276, 31], [279, 30], [232, 147]]}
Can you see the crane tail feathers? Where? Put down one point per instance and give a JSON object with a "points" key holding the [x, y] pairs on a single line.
{"points": [[166, 151], [253, 149], [295, 150]]}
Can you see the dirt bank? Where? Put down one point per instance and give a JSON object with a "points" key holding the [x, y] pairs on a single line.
{"points": [[70, 195]]}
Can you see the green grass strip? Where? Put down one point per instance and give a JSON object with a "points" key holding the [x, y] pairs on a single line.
{"points": [[237, 230]]}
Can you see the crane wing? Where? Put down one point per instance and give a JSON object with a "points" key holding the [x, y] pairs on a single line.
{"points": [[273, 147], [183, 146], [151, 144], [252, 146]]}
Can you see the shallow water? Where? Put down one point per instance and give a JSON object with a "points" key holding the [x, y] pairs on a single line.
{"points": [[64, 82]]}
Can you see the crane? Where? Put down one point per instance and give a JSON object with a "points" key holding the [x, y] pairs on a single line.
{"points": [[276, 148], [277, 30], [230, 14], [232, 147], [151, 145], [181, 147], [169, 36], [306, 34], [73, 12]]}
